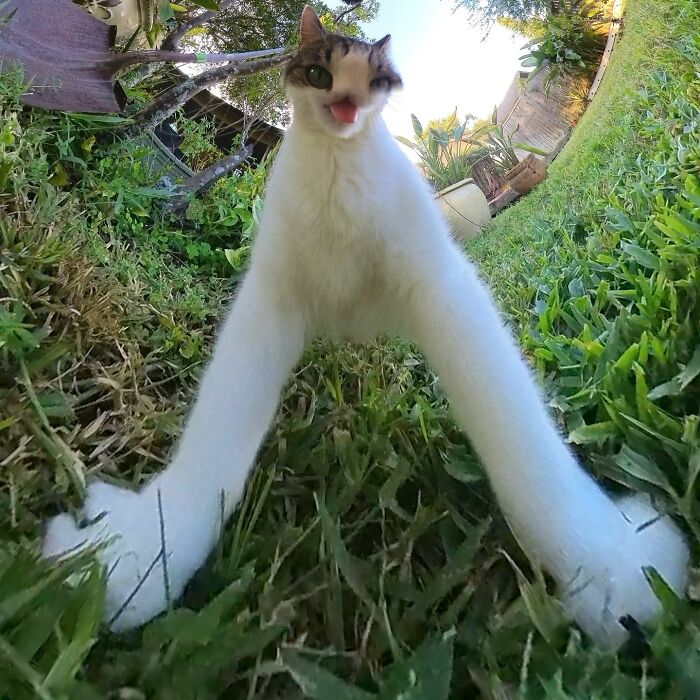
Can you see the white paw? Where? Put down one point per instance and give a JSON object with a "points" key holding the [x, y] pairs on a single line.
{"points": [[616, 586], [130, 525]]}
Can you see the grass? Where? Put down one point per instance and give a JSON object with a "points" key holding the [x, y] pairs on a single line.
{"points": [[367, 559]]}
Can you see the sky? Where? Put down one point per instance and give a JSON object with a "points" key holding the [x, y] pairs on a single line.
{"points": [[444, 61]]}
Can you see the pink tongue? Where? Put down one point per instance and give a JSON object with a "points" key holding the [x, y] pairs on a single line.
{"points": [[344, 111]]}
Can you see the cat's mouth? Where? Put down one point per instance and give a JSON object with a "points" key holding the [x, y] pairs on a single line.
{"points": [[345, 111]]}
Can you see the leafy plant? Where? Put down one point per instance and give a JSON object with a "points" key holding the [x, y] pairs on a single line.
{"points": [[570, 42], [488, 13], [442, 150], [448, 149], [499, 146], [198, 144], [426, 675]]}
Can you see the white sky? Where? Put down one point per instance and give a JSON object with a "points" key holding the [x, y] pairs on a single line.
{"points": [[444, 61]]}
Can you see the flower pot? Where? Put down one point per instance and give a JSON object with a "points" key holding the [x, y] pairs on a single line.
{"points": [[125, 15], [465, 208], [526, 174]]}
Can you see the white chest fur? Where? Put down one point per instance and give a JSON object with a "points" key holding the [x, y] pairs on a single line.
{"points": [[320, 200]]}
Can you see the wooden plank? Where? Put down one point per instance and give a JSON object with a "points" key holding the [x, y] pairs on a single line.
{"points": [[558, 147], [612, 36], [508, 196]]}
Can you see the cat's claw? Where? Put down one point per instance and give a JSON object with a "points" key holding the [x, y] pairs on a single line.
{"points": [[617, 588], [127, 525]]}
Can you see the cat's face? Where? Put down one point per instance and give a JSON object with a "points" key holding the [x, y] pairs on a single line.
{"points": [[336, 83]]}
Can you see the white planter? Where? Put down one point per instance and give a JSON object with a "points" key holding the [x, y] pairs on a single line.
{"points": [[126, 16], [465, 208]]}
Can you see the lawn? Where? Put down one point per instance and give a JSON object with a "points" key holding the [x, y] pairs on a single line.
{"points": [[368, 558]]}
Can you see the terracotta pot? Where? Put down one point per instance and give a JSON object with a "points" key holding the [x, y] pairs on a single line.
{"points": [[465, 208], [526, 174]]}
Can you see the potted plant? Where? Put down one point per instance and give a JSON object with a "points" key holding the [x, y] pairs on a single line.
{"points": [[521, 176], [445, 162]]}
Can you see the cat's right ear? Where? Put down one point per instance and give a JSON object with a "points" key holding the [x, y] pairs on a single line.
{"points": [[311, 28], [382, 46]]}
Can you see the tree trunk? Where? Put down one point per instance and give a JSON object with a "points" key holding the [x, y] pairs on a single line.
{"points": [[201, 182]]}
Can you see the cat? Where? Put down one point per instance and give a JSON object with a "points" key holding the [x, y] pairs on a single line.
{"points": [[351, 244]]}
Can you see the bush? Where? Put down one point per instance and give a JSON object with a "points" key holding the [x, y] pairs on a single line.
{"points": [[570, 43], [198, 144]]}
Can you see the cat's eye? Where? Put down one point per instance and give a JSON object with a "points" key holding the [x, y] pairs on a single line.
{"points": [[319, 77], [380, 83]]}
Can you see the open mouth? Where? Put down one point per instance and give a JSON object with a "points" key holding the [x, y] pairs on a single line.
{"points": [[345, 111]]}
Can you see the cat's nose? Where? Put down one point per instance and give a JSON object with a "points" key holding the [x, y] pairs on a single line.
{"points": [[349, 96]]}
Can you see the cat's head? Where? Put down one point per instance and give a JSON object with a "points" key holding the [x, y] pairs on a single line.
{"points": [[336, 83]]}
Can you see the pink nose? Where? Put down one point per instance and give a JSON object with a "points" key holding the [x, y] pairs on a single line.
{"points": [[345, 111]]}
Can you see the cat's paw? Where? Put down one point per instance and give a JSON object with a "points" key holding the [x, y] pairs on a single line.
{"points": [[128, 526], [617, 588]]}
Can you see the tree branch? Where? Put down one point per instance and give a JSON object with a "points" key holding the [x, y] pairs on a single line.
{"points": [[202, 181], [341, 15], [118, 61], [172, 41], [171, 100]]}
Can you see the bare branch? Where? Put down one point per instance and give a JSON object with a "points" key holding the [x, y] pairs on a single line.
{"points": [[171, 100], [115, 62], [202, 181], [172, 41], [341, 15]]}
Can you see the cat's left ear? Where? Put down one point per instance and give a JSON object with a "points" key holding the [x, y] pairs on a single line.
{"points": [[382, 45], [311, 28]]}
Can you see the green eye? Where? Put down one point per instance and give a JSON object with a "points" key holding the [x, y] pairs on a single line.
{"points": [[380, 84], [319, 77]]}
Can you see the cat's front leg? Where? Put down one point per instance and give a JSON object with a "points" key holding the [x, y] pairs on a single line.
{"points": [[155, 539], [594, 546]]}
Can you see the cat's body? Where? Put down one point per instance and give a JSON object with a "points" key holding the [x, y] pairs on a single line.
{"points": [[352, 244]]}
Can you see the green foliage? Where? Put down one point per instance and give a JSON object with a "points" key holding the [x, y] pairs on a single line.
{"points": [[445, 124], [530, 28], [426, 675], [225, 220], [487, 13], [442, 150], [127, 205], [448, 149], [47, 628], [619, 313], [609, 312], [198, 144], [570, 43]]}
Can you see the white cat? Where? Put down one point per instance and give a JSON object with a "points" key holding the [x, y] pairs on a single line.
{"points": [[351, 244]]}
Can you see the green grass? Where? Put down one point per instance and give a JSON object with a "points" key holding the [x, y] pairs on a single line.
{"points": [[368, 558]]}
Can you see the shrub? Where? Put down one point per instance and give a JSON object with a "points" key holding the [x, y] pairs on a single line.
{"points": [[198, 144], [570, 43]]}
